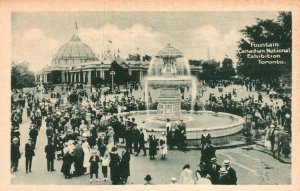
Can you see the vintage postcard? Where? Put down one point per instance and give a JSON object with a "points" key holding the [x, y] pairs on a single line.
{"points": [[146, 95]]}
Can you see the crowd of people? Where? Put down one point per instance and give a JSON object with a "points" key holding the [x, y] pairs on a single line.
{"points": [[83, 131]]}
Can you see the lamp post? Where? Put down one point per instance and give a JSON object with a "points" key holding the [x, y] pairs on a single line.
{"points": [[112, 73]]}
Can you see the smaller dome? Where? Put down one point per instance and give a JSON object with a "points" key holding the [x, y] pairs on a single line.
{"points": [[169, 62], [169, 52]]}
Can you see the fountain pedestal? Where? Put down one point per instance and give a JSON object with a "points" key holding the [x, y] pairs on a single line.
{"points": [[169, 104]]}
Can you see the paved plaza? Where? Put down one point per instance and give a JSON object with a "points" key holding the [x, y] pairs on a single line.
{"points": [[253, 166], [206, 94]]}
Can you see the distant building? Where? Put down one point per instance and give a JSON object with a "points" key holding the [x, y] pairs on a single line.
{"points": [[76, 62]]}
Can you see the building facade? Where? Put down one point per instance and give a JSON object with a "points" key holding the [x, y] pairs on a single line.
{"points": [[76, 62]]}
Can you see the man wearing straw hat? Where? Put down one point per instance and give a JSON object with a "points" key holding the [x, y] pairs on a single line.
{"points": [[173, 180], [230, 172], [223, 178]]}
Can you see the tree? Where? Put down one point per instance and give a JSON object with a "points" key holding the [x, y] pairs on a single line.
{"points": [[195, 62], [266, 31], [21, 77], [227, 70], [121, 74], [209, 69]]}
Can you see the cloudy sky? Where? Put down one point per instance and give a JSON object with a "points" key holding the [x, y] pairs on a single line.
{"points": [[37, 36]]}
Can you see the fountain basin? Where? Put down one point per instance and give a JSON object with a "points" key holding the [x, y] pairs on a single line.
{"points": [[217, 124]]}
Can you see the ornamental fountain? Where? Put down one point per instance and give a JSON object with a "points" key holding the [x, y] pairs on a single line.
{"points": [[168, 72], [169, 78]]}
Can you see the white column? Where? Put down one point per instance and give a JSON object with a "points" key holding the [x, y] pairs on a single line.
{"points": [[84, 76], [62, 77], [102, 74], [45, 77], [89, 77], [141, 75], [67, 77]]}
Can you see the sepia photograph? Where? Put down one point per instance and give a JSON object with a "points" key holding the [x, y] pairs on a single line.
{"points": [[151, 98]]}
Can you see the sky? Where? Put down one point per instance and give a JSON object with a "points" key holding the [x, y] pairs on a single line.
{"points": [[37, 36]]}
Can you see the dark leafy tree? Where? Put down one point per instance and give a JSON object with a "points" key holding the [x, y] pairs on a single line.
{"points": [[209, 69], [195, 62], [227, 71], [121, 74], [21, 77], [266, 31]]}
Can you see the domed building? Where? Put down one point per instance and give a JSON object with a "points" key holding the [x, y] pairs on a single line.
{"points": [[76, 62]]}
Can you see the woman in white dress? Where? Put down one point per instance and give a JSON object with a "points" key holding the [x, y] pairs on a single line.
{"points": [[86, 160], [186, 176], [267, 142], [163, 145], [110, 139]]}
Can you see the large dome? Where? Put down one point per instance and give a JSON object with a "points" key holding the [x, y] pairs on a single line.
{"points": [[74, 51]]}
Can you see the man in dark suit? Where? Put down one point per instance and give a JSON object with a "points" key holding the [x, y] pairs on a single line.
{"points": [[15, 155], [230, 173], [29, 153], [142, 142], [114, 164], [135, 138], [50, 156], [213, 170], [205, 137], [128, 135], [49, 132], [33, 133], [223, 179], [208, 152], [48, 120], [78, 157], [101, 144]]}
